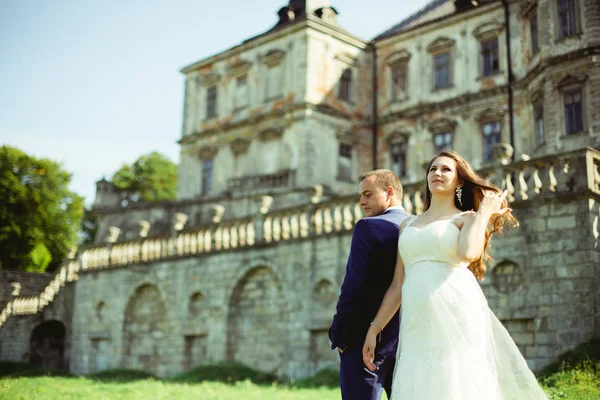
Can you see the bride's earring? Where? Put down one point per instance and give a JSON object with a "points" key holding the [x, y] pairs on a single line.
{"points": [[459, 195]]}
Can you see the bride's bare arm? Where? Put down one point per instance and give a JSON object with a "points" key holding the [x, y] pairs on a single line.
{"points": [[471, 241], [389, 305]]}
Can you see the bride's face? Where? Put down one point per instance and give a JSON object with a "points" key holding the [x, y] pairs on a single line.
{"points": [[442, 175]]}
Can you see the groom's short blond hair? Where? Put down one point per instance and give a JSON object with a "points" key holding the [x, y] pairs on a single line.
{"points": [[385, 178]]}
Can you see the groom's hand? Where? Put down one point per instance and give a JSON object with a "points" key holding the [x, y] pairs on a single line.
{"points": [[342, 350], [369, 351]]}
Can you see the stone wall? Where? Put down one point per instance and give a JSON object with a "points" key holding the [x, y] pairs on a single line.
{"points": [[17, 341]]}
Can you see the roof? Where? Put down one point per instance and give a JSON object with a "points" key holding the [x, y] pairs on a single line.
{"points": [[433, 11]]}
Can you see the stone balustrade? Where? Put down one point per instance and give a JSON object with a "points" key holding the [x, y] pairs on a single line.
{"points": [[563, 173]]}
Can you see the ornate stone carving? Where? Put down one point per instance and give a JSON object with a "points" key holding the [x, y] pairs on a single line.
{"points": [[397, 136], [271, 134], [217, 212], [265, 204], [240, 145], [502, 153], [210, 79], [442, 124], [144, 228], [113, 234], [567, 79], [398, 57], [317, 194], [207, 152], [179, 221], [490, 114], [440, 44], [273, 58], [488, 29], [16, 288], [240, 68], [347, 137]]}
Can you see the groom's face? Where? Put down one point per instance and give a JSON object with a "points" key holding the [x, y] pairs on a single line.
{"points": [[373, 200]]}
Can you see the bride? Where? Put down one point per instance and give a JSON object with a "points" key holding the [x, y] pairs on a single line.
{"points": [[452, 347]]}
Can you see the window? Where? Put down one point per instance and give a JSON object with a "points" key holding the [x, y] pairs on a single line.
{"points": [[275, 82], [489, 57], [441, 64], [398, 151], [492, 133], [538, 122], [566, 18], [345, 162], [241, 91], [399, 83], [346, 85], [573, 112], [207, 169], [533, 28], [442, 141], [211, 102]]}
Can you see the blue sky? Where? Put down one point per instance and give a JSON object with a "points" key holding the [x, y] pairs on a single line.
{"points": [[95, 84]]}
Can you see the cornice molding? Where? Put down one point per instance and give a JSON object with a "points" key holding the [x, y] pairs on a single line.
{"points": [[440, 44], [273, 58], [398, 57], [488, 29]]}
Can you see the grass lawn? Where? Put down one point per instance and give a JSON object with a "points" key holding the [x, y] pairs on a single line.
{"points": [[59, 388], [574, 376]]}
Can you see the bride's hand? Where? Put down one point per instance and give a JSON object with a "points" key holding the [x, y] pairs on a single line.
{"points": [[491, 204], [369, 350]]}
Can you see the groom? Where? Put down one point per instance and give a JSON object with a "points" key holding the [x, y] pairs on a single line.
{"points": [[369, 273]]}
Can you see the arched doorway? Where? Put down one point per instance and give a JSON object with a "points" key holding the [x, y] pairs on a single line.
{"points": [[144, 331], [257, 322], [47, 345]]}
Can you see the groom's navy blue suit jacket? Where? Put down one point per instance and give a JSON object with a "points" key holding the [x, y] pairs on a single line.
{"points": [[369, 273]]}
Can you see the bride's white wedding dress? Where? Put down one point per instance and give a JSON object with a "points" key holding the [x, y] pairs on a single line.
{"points": [[452, 347]]}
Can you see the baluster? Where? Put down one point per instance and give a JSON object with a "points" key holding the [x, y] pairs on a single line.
{"points": [[537, 182], [304, 226], [507, 183], [418, 202], [250, 235], [226, 238], [328, 220], [348, 217], [337, 217], [218, 239], [294, 226], [267, 231], [408, 205], [200, 242], [285, 227], [277, 228], [357, 212], [242, 234], [318, 221], [207, 240], [523, 185]]}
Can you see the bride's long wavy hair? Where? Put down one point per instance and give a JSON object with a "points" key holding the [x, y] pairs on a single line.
{"points": [[473, 190]]}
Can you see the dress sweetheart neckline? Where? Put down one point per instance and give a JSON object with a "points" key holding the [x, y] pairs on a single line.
{"points": [[432, 222]]}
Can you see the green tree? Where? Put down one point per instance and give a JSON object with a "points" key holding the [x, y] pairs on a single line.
{"points": [[152, 177], [39, 215]]}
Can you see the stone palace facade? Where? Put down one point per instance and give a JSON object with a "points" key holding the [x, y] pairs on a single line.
{"points": [[246, 264]]}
